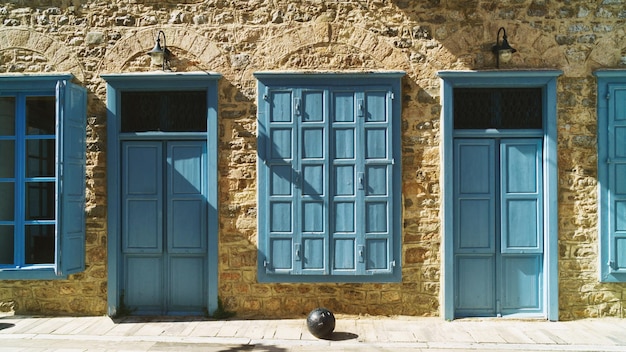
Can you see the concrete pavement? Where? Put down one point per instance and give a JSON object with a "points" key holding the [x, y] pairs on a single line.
{"points": [[352, 333]]}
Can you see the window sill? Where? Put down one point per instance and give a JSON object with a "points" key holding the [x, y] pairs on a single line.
{"points": [[30, 274]]}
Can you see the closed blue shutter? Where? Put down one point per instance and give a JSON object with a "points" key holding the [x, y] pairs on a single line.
{"points": [[617, 181], [71, 115], [326, 183], [280, 184]]}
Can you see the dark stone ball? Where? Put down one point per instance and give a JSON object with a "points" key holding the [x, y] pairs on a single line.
{"points": [[320, 322]]}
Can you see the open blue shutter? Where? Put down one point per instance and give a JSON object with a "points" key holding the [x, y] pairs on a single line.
{"points": [[282, 178], [71, 122], [617, 180]]}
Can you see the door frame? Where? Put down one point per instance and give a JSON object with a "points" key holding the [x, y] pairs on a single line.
{"points": [[154, 81], [546, 80]]}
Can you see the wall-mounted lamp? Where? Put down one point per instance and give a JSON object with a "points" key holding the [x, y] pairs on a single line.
{"points": [[502, 51], [160, 56]]}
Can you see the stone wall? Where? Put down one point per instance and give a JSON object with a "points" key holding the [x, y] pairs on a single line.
{"points": [[239, 37]]}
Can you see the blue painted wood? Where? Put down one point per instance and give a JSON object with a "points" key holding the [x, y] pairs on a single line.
{"points": [[499, 227], [522, 196], [546, 79], [142, 197], [73, 120], [339, 218], [151, 81], [522, 285], [165, 225], [613, 239]]}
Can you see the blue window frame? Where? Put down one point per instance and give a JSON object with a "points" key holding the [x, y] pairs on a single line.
{"points": [[329, 177], [42, 177], [612, 174]]}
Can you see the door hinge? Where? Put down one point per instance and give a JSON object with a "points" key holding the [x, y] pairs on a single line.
{"points": [[392, 263], [266, 264], [612, 265], [608, 96]]}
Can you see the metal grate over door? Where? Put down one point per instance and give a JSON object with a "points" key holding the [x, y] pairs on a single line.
{"points": [[498, 108]]}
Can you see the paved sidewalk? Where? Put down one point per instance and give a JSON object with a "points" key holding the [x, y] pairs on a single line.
{"points": [[352, 333]]}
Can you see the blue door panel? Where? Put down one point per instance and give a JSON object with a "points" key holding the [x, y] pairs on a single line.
{"points": [[498, 230], [186, 197], [142, 231], [144, 283], [521, 283], [164, 226], [521, 228], [476, 219], [187, 284], [142, 200], [475, 284], [521, 196]]}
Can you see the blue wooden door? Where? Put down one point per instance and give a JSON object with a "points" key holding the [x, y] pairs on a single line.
{"points": [[164, 226], [498, 230]]}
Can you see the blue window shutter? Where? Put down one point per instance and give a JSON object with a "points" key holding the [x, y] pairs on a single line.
{"points": [[329, 180], [71, 115], [282, 179], [617, 181]]}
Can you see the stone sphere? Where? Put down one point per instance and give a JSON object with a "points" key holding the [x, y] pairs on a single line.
{"points": [[321, 322]]}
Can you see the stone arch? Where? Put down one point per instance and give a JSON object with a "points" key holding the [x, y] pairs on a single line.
{"points": [[278, 49], [472, 47], [57, 55], [190, 50]]}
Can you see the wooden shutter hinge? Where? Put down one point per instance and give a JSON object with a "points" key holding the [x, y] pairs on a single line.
{"points": [[393, 263]]}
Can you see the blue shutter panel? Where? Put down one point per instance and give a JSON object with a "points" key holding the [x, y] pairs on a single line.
{"points": [[71, 115], [281, 196], [617, 181], [374, 180], [343, 204], [312, 220]]}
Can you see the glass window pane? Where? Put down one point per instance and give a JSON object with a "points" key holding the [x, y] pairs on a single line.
{"points": [[40, 158], [40, 201], [39, 244], [7, 116], [176, 111], [6, 245], [40, 115], [7, 155], [7, 201]]}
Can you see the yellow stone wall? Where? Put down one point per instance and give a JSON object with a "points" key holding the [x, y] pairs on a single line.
{"points": [[239, 37]]}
